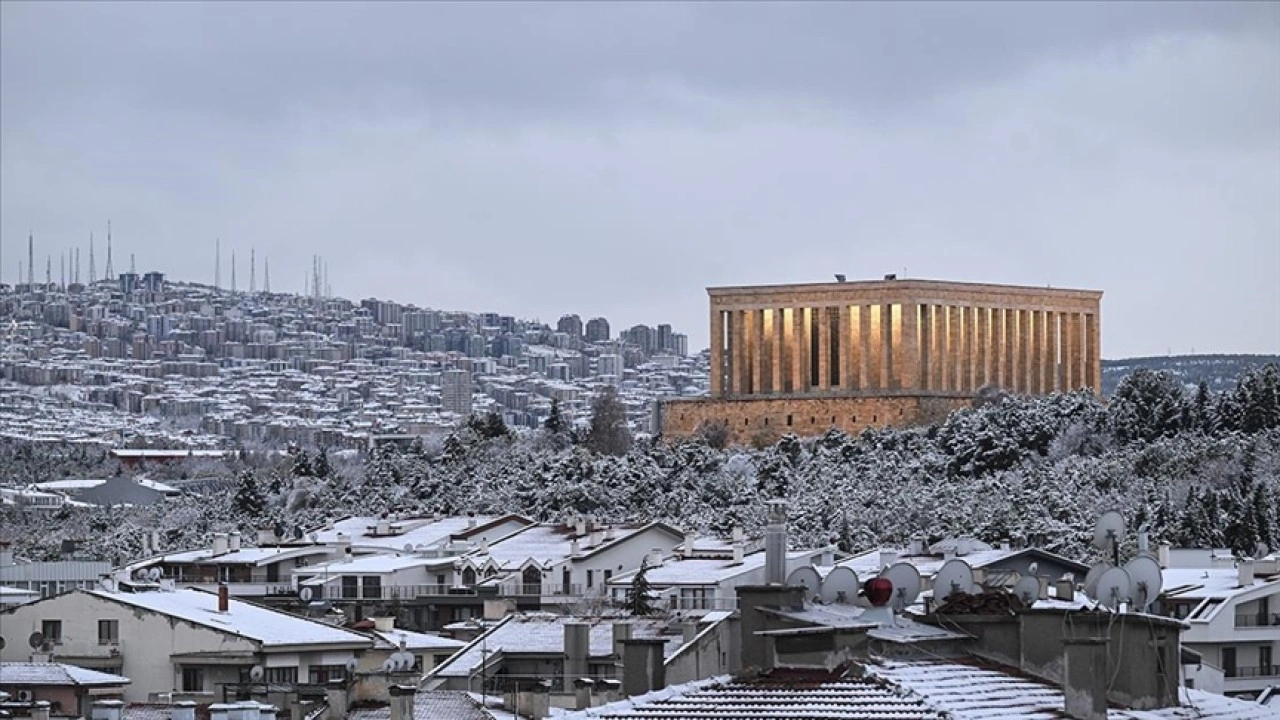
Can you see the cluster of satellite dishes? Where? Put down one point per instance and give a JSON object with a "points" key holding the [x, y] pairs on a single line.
{"points": [[148, 575], [1134, 585], [842, 586]]}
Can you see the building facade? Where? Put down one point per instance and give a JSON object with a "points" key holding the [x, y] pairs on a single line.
{"points": [[803, 358]]}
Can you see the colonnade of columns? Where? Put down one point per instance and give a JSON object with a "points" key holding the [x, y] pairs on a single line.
{"points": [[902, 347]]}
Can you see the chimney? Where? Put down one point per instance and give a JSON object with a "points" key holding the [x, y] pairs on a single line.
{"points": [[6, 553], [577, 638], [224, 600], [266, 537], [574, 549], [621, 632], [384, 624], [219, 544], [266, 712], [737, 553], [1084, 684], [402, 701], [642, 668], [382, 528], [155, 541], [107, 709], [1144, 541], [828, 558], [1065, 588], [610, 533], [234, 542], [471, 523], [484, 545], [580, 526], [775, 544], [1245, 570], [40, 710], [1162, 554], [963, 546], [735, 534], [182, 710], [888, 556], [328, 523], [1043, 592], [335, 695], [690, 539], [596, 538], [655, 557]]}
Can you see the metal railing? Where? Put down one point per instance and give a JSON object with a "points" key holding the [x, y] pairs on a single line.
{"points": [[1257, 619], [703, 603], [1253, 671]]}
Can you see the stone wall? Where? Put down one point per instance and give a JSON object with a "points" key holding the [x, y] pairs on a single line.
{"points": [[761, 421]]}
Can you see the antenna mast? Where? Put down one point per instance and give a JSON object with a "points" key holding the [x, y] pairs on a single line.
{"points": [[76, 275], [63, 260], [31, 262], [48, 271], [266, 274], [217, 264], [233, 271], [93, 269], [110, 270], [253, 270]]}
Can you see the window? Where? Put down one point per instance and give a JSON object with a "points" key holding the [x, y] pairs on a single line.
{"points": [[1264, 661], [324, 674], [372, 587], [1229, 662], [273, 573], [52, 631], [788, 421], [590, 577], [607, 574], [108, 632], [282, 675], [192, 679], [350, 586]]}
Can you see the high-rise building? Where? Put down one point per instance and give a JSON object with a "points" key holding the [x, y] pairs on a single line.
{"points": [[597, 330], [570, 325], [455, 391], [664, 338]]}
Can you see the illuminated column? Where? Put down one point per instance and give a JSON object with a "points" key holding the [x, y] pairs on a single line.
{"points": [[1092, 353], [737, 353], [752, 366], [717, 352], [938, 348], [910, 339], [1071, 351], [1024, 346], [793, 316], [848, 381], [1013, 368], [925, 375], [824, 347], [775, 349], [887, 364], [1037, 352], [1053, 380], [801, 370], [955, 349], [999, 360], [874, 348], [966, 349], [982, 361]]}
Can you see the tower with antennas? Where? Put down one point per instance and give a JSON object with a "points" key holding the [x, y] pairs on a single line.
{"points": [[110, 269], [217, 264], [93, 268], [233, 271], [253, 271], [266, 275]]}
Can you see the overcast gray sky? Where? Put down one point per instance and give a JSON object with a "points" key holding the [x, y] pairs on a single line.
{"points": [[616, 159]]}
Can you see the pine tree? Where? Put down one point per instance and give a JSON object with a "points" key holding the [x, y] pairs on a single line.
{"points": [[320, 465], [554, 423], [609, 433], [639, 599], [494, 426], [248, 498], [301, 464]]}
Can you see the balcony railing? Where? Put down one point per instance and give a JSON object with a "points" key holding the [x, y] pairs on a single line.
{"points": [[1253, 671], [703, 603], [1258, 620]]}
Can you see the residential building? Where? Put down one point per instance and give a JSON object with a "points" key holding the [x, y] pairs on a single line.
{"points": [[455, 392], [70, 690]]}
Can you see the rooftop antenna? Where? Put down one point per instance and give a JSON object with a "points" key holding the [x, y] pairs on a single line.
{"points": [[1148, 581], [840, 586], [217, 264], [48, 271], [62, 260], [31, 262], [253, 270], [93, 269], [266, 274], [1107, 532], [110, 270], [133, 268], [233, 271], [76, 275], [955, 576]]}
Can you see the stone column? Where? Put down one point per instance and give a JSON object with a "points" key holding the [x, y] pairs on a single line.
{"points": [[754, 353], [910, 339], [888, 367], [848, 381], [873, 351], [738, 354], [824, 347], [717, 352], [970, 356], [1013, 368], [799, 378], [1024, 350], [776, 336], [938, 348], [1092, 353], [1053, 379], [999, 359], [926, 347], [1037, 352], [863, 343], [955, 345], [1071, 351], [982, 369]]}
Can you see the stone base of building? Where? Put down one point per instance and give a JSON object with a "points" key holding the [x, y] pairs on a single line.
{"points": [[763, 420]]}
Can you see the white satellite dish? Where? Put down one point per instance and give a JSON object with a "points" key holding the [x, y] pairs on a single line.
{"points": [[408, 547], [1113, 588], [906, 584], [1108, 531], [809, 578], [389, 665], [1028, 590], [840, 586], [156, 573], [256, 672], [1091, 579], [108, 584], [351, 665], [305, 594], [955, 576], [1147, 580]]}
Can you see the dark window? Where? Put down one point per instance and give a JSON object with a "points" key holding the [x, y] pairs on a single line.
{"points": [[372, 587], [788, 421], [192, 679], [746, 421], [468, 577], [590, 577], [282, 675], [350, 586], [322, 674], [1229, 662], [108, 632], [607, 574], [52, 631], [766, 422], [813, 420], [1264, 661], [273, 572]]}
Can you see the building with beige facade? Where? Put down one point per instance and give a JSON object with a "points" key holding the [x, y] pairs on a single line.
{"points": [[852, 355]]}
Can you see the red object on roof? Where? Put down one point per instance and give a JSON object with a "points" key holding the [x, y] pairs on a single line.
{"points": [[878, 590]]}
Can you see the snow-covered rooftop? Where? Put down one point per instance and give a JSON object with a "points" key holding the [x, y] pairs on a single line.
{"points": [[429, 532], [418, 641], [550, 543], [52, 673], [268, 627]]}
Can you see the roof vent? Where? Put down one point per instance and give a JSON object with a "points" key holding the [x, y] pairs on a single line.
{"points": [[891, 276]]}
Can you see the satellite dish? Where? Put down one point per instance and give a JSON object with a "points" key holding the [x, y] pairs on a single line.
{"points": [[36, 641], [1108, 530], [840, 586], [1147, 580], [1113, 588], [156, 573], [1028, 590], [297, 532], [351, 665], [279, 530], [108, 584], [388, 665], [809, 578], [256, 672], [906, 584], [2, 642], [305, 594], [955, 576], [408, 547], [1091, 580]]}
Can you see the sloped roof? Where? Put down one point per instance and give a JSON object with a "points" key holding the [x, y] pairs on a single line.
{"points": [[52, 673], [430, 706]]}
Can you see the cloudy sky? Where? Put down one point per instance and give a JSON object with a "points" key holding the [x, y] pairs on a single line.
{"points": [[615, 159]]}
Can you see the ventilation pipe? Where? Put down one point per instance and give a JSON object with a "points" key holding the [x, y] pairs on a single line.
{"points": [[1245, 570], [595, 538], [736, 534], [1162, 554], [219, 544], [224, 598], [775, 544], [234, 542]]}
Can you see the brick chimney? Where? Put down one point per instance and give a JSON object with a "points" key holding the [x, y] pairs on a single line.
{"points": [[224, 598]]}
